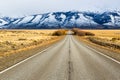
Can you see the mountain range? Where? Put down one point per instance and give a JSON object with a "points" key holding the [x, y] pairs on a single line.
{"points": [[70, 19]]}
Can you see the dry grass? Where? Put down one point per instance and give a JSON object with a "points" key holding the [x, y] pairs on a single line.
{"points": [[13, 40], [80, 32], [60, 32], [17, 45], [109, 38], [106, 33]]}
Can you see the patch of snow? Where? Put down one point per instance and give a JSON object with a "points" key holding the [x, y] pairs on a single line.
{"points": [[118, 12], [112, 19], [117, 20], [109, 24], [26, 19], [2, 22], [84, 21], [51, 17], [63, 17], [15, 22], [37, 19]]}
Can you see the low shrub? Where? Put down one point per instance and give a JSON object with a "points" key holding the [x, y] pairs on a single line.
{"points": [[75, 30], [89, 34], [59, 33], [22, 39], [8, 42], [82, 33], [114, 39]]}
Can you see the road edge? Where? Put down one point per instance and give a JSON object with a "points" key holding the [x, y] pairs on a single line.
{"points": [[92, 47], [30, 57]]}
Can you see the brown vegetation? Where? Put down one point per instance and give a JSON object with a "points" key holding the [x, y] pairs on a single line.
{"points": [[17, 45], [13, 40], [106, 38], [103, 42], [59, 32], [80, 32]]}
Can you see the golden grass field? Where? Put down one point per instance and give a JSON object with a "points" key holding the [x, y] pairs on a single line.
{"points": [[108, 35], [17, 45], [11, 40]]}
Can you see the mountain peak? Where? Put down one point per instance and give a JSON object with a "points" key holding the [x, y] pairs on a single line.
{"points": [[67, 19]]}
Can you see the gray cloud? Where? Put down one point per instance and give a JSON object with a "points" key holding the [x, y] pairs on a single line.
{"points": [[28, 7]]}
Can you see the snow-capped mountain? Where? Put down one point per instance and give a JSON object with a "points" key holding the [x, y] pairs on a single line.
{"points": [[109, 19], [3, 22]]}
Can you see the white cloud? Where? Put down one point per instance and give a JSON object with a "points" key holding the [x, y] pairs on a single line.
{"points": [[28, 7]]}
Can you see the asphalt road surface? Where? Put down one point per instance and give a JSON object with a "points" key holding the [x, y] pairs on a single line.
{"points": [[66, 60]]}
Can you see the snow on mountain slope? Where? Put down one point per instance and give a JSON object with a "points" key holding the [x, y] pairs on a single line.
{"points": [[63, 17], [48, 20], [2, 22], [117, 20], [37, 19], [26, 20], [51, 18], [16, 21], [112, 22], [112, 19], [82, 20], [65, 20]]}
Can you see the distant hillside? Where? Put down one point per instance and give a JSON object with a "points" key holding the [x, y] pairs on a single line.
{"points": [[87, 20]]}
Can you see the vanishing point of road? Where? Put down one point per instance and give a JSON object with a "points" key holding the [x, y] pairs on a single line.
{"points": [[69, 59]]}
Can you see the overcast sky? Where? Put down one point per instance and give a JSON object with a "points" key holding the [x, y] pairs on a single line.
{"points": [[29, 7]]}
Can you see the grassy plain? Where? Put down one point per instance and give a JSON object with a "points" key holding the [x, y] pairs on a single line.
{"points": [[14, 40], [106, 33], [17, 45], [111, 36]]}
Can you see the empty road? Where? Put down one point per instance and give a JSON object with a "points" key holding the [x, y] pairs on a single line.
{"points": [[66, 60]]}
